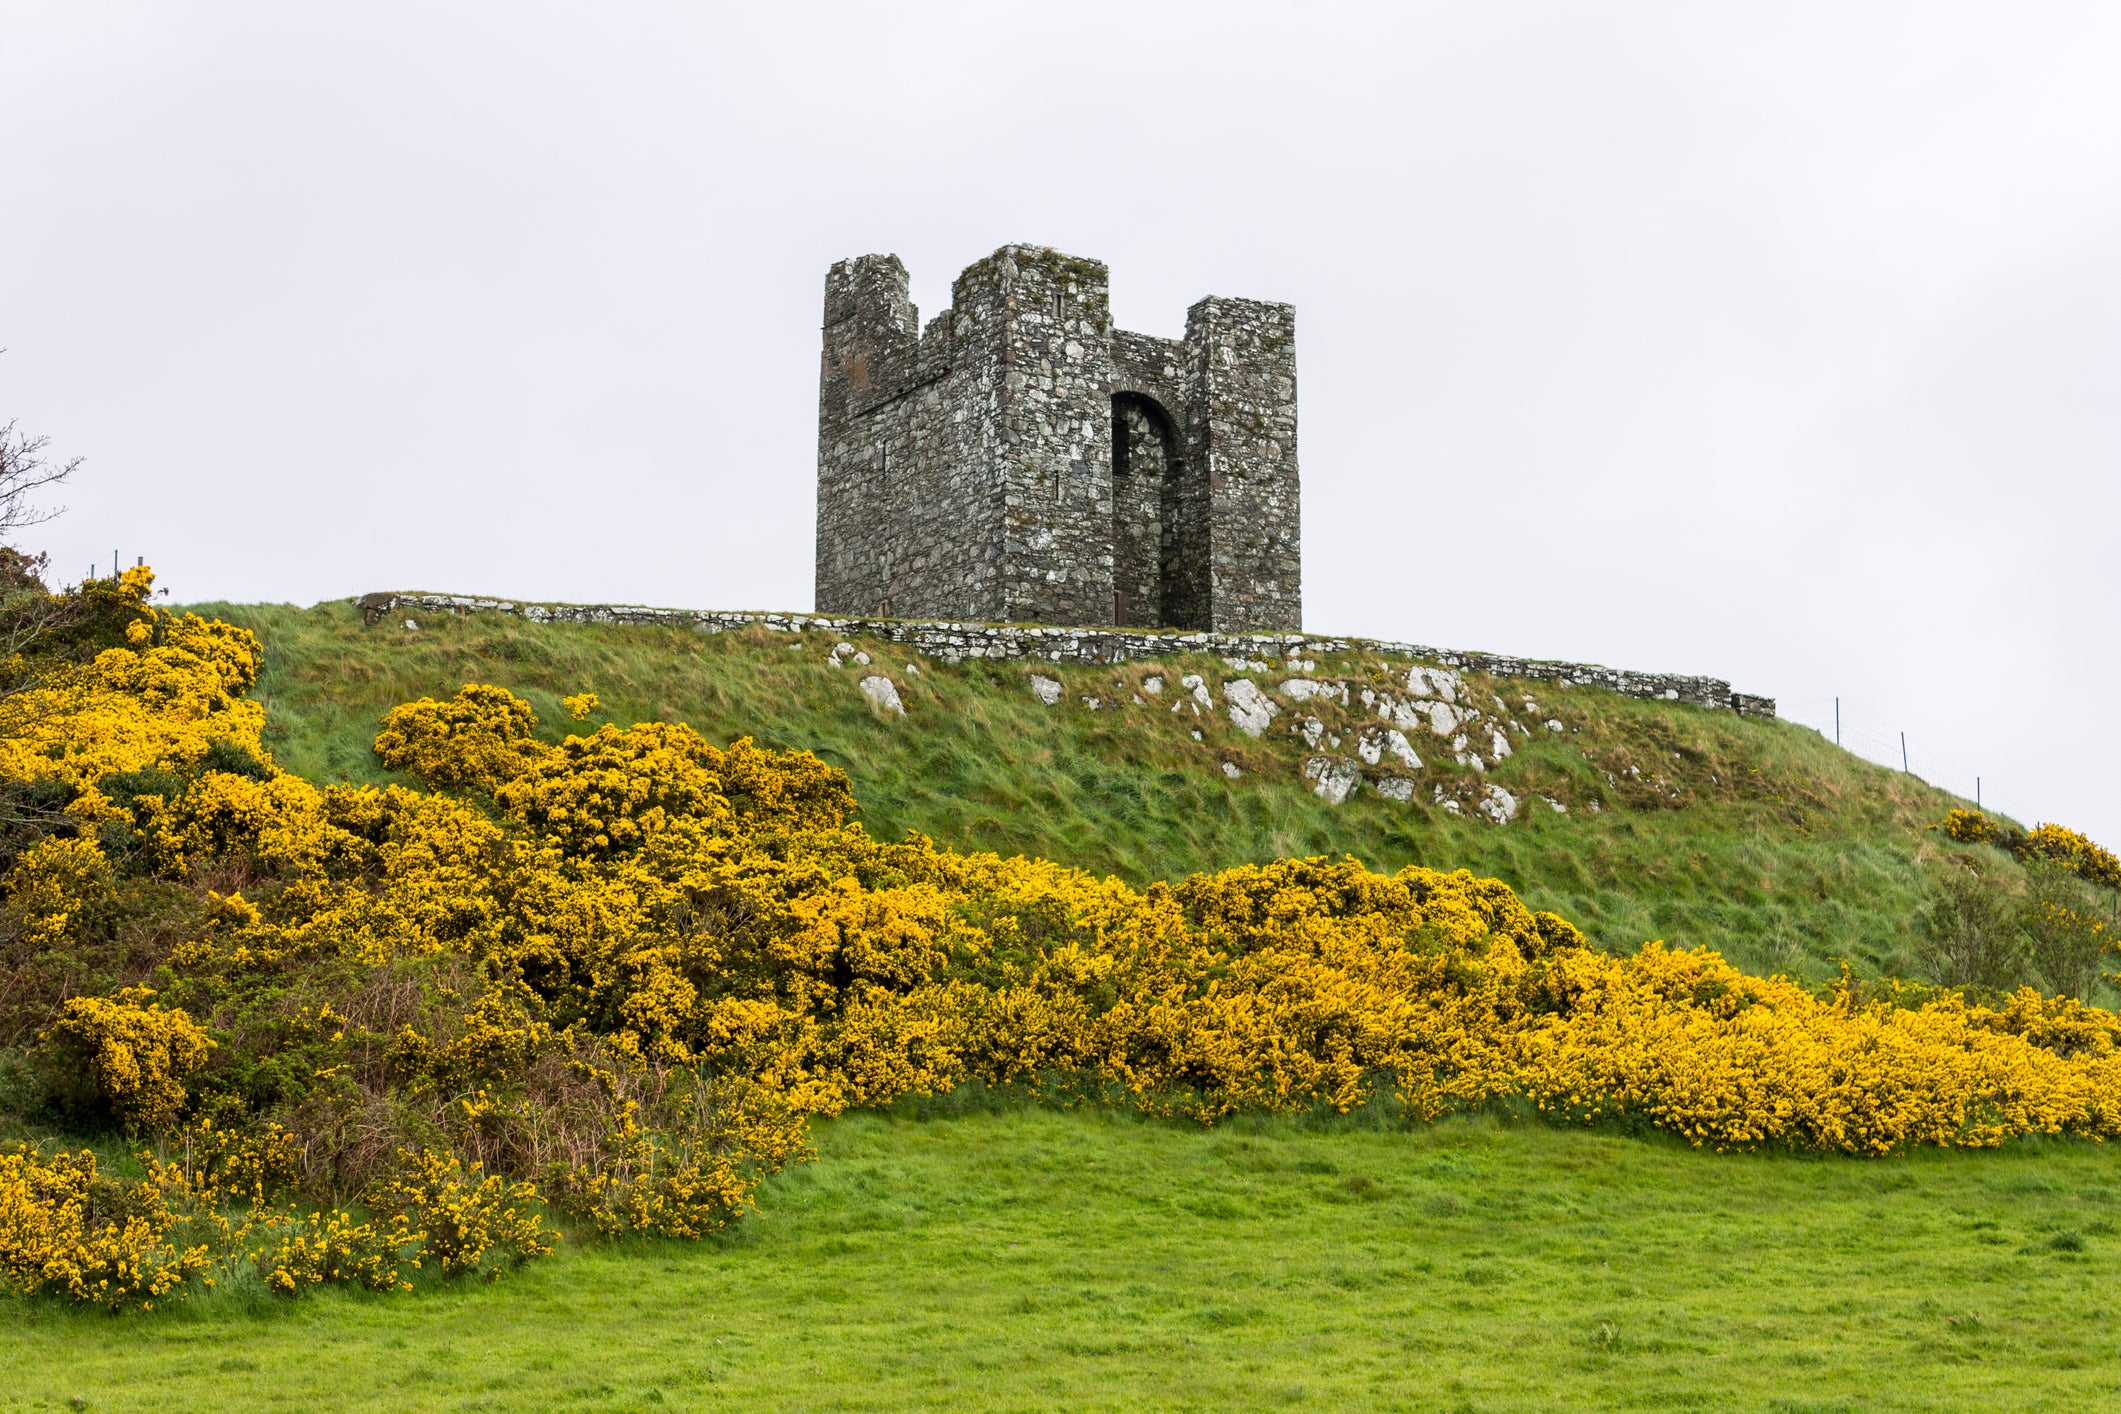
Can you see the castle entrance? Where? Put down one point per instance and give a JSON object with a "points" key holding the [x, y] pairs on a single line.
{"points": [[1143, 461]]}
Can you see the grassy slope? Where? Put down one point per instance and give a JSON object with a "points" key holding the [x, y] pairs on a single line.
{"points": [[1028, 1260], [1780, 850]]}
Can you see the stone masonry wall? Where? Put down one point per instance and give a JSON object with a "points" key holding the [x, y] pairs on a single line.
{"points": [[955, 642], [1247, 410], [968, 471]]}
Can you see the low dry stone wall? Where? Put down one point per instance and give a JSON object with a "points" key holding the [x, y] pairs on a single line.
{"points": [[954, 642]]}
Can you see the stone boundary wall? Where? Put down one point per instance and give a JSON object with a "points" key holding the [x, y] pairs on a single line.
{"points": [[953, 642]]}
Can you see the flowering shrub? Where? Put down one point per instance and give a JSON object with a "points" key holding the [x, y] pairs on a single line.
{"points": [[67, 1230], [2054, 843], [2073, 851], [1969, 827], [615, 974], [51, 885], [458, 1218], [482, 737], [331, 1247], [136, 1054], [163, 698]]}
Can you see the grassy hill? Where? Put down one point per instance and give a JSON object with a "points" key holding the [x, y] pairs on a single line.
{"points": [[1755, 837], [1023, 1259], [976, 1251]]}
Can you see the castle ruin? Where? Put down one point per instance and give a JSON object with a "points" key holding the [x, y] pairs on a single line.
{"points": [[1019, 460]]}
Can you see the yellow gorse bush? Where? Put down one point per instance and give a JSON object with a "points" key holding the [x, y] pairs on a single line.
{"points": [[137, 1053], [613, 975], [68, 1230], [2073, 851], [457, 1218], [2056, 843], [331, 1247]]}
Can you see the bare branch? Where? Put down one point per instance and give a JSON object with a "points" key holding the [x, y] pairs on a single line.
{"points": [[24, 471]]}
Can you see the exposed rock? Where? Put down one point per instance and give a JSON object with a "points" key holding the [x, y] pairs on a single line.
{"points": [[1251, 711], [1407, 716], [1554, 726], [1333, 778], [882, 692], [1231, 770], [1554, 805], [1498, 745], [1498, 804], [1397, 788], [1153, 684], [862, 659], [1312, 731], [1375, 745], [1045, 689], [1304, 689], [1198, 686], [1434, 682]]}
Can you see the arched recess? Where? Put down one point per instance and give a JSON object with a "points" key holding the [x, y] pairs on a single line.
{"points": [[1145, 468]]}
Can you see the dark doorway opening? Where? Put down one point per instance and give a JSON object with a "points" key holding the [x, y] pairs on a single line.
{"points": [[1146, 472]]}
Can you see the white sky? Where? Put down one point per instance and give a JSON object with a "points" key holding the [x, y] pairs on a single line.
{"points": [[1776, 342]]}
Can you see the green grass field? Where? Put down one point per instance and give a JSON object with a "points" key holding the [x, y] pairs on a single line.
{"points": [[1764, 841], [1029, 1259]]}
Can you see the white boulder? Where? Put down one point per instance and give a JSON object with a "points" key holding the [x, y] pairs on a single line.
{"points": [[1250, 709], [1434, 682], [1498, 804], [1332, 778], [1375, 745]]}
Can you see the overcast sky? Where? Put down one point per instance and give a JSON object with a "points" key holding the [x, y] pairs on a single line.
{"points": [[1775, 342]]}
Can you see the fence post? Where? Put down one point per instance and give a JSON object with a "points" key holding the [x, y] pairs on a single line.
{"points": [[1903, 756]]}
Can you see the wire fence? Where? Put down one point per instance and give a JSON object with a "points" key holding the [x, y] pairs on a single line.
{"points": [[95, 571], [1879, 741]]}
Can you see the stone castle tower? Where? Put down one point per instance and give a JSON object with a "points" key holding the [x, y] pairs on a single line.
{"points": [[1020, 460]]}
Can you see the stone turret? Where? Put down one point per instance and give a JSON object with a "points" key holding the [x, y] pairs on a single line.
{"points": [[1020, 460]]}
